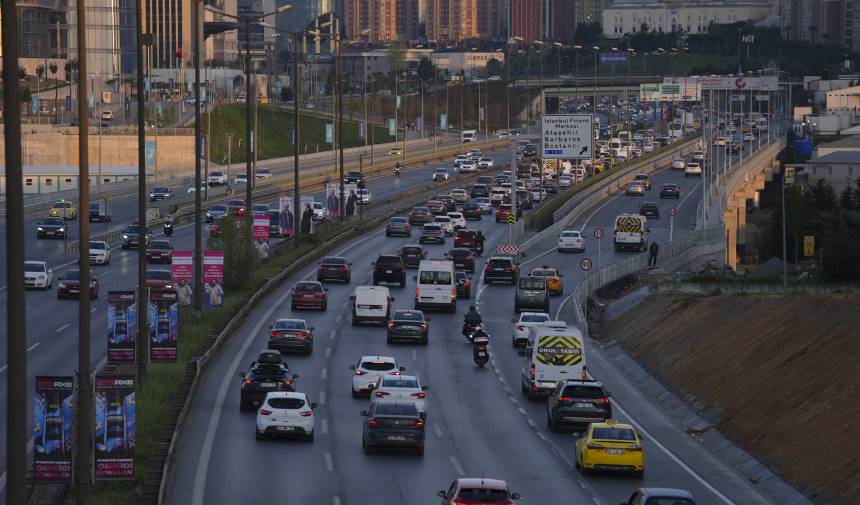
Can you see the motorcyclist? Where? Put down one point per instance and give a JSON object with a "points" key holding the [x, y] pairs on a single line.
{"points": [[472, 318], [480, 339], [397, 168], [168, 226]]}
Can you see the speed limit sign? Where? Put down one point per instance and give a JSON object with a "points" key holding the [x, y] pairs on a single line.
{"points": [[599, 233], [673, 211], [585, 264]]}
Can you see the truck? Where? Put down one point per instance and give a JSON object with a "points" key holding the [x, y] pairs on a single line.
{"points": [[554, 352], [631, 232]]}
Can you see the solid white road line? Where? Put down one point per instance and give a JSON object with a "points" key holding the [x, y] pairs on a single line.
{"points": [[33, 347], [61, 328], [457, 466]]}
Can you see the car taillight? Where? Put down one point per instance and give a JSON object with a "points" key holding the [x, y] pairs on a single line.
{"points": [[418, 424], [470, 258], [453, 293], [565, 398], [380, 394], [249, 381], [634, 448], [416, 292], [372, 423], [342, 269], [424, 325], [520, 327], [360, 372], [602, 400], [264, 412], [288, 382], [306, 413], [302, 334], [391, 325], [418, 395], [396, 372], [276, 334], [509, 269]]}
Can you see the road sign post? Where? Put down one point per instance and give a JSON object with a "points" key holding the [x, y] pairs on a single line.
{"points": [[672, 213], [585, 264], [599, 233]]}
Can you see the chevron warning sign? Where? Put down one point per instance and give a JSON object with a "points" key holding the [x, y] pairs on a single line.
{"points": [[559, 350], [628, 224], [511, 219]]}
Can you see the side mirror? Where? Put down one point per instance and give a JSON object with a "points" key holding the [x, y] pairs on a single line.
{"points": [[371, 386], [242, 375], [516, 496], [442, 494], [296, 376], [352, 367], [425, 388], [313, 328], [392, 298], [352, 297], [363, 413], [402, 369], [314, 405]]}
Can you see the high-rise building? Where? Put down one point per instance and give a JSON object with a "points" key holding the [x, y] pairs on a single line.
{"points": [[526, 19], [169, 22], [831, 22], [110, 35], [222, 49], [42, 34], [590, 11], [386, 20], [629, 16], [559, 20], [451, 21]]}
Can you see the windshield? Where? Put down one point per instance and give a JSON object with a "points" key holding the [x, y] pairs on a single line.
{"points": [[399, 382], [98, 245], [411, 250], [53, 221], [398, 220], [308, 287], [159, 244], [132, 229], [334, 261], [159, 275], [217, 208], [407, 315], [618, 434], [534, 318], [435, 278], [290, 325], [72, 275], [532, 283], [396, 409], [484, 495], [286, 403], [34, 267], [432, 229], [378, 366], [586, 392]]}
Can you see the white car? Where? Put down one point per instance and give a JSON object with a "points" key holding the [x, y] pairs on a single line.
{"points": [[468, 166], [526, 321], [484, 204], [440, 174], [571, 240], [748, 137], [99, 252], [217, 179], [720, 141], [474, 152], [38, 275], [457, 219], [263, 173], [538, 194], [368, 371], [679, 164], [460, 159], [192, 190], [698, 156], [286, 413], [485, 163], [241, 179], [497, 196], [648, 148], [693, 169], [320, 212], [460, 195], [364, 196], [565, 181], [446, 223], [406, 388]]}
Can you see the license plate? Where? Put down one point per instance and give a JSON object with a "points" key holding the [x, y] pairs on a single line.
{"points": [[426, 298], [482, 354], [388, 271], [409, 327], [268, 384], [614, 451], [397, 438], [546, 384], [582, 405], [285, 428]]}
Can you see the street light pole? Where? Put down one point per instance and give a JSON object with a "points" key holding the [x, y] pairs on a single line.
{"points": [[296, 119], [249, 134], [595, 49], [142, 341]]}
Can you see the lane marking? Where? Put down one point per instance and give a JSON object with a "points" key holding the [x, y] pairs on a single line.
{"points": [[457, 465], [338, 319], [33, 346], [324, 373], [63, 327], [437, 429], [324, 427], [329, 464], [331, 336], [328, 352], [414, 355], [335, 500], [92, 310], [322, 397], [3, 368]]}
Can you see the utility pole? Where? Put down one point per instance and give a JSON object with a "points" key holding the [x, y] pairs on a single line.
{"points": [[142, 341], [435, 116], [337, 40], [17, 432], [296, 90], [249, 134]]}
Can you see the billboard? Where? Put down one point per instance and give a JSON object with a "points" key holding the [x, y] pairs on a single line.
{"points": [[121, 327], [183, 275], [114, 431], [286, 219], [332, 200], [307, 221], [261, 227], [735, 83], [671, 92], [54, 407], [213, 278], [163, 326]]}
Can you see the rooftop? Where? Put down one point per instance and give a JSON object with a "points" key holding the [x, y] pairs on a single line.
{"points": [[839, 157], [852, 141]]}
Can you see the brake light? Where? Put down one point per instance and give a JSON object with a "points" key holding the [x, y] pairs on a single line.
{"points": [[565, 398], [418, 424], [467, 284], [372, 423], [276, 334], [302, 334], [453, 293], [532, 372], [380, 394], [418, 395], [249, 381], [602, 400], [342, 269], [360, 372], [306, 413], [391, 325], [509, 269], [469, 258], [416, 293], [520, 327], [288, 382], [396, 372], [264, 412], [424, 325]]}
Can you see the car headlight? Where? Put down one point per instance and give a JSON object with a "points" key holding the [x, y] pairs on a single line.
{"points": [[62, 285], [40, 228], [61, 229], [42, 276], [125, 236]]}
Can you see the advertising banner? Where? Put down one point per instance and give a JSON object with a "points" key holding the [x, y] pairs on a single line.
{"points": [[361, 129], [286, 220], [183, 275], [52, 432], [121, 327], [329, 133], [332, 199], [398, 101], [213, 278], [150, 153], [261, 227], [737, 83], [34, 104], [443, 121], [392, 127], [163, 326], [307, 221], [114, 433], [614, 58]]}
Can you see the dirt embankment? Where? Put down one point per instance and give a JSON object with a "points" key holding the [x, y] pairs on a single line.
{"points": [[780, 376]]}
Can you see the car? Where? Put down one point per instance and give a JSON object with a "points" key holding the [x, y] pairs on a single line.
{"points": [[69, 285], [693, 169], [262, 173], [389, 268], [553, 279], [420, 215], [470, 211], [571, 240], [412, 254], [526, 321], [478, 490], [436, 208], [363, 196], [440, 174], [262, 378], [479, 190], [460, 195], [670, 190], [485, 163], [464, 284], [368, 370], [577, 403], [467, 166], [319, 210], [484, 204], [531, 293], [334, 268], [131, 237], [242, 178], [215, 213], [160, 193], [747, 137], [395, 151], [99, 213], [286, 413], [610, 446], [217, 179], [735, 148], [408, 325], [457, 220], [565, 181], [658, 495], [431, 232], [159, 251], [37, 275], [260, 208], [649, 209], [720, 141], [473, 152], [501, 268], [471, 239], [159, 280], [191, 188], [497, 196], [393, 424], [448, 200], [634, 188], [538, 195], [530, 150], [462, 259], [309, 295], [291, 335], [445, 223], [405, 388], [237, 207], [64, 209], [460, 158], [503, 212], [51, 227], [107, 115], [398, 225], [644, 179]]}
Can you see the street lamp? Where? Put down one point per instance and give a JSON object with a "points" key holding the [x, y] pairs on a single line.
{"points": [[539, 51], [595, 50], [558, 46], [577, 49]]}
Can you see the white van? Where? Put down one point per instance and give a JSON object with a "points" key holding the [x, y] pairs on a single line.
{"points": [[469, 136], [554, 352], [436, 286], [371, 304]]}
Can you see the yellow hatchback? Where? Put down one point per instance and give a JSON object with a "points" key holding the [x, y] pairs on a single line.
{"points": [[553, 279], [64, 209], [610, 446]]}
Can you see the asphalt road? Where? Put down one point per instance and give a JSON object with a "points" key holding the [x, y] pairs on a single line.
{"points": [[478, 422], [52, 336]]}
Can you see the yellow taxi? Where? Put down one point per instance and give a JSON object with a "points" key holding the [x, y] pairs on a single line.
{"points": [[64, 209], [610, 446], [553, 279]]}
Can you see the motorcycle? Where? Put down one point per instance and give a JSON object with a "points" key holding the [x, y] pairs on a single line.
{"points": [[480, 353], [397, 169], [168, 228], [469, 330]]}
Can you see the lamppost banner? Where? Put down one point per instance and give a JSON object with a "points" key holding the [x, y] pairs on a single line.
{"points": [[121, 327], [114, 431], [213, 278], [163, 326], [54, 408]]}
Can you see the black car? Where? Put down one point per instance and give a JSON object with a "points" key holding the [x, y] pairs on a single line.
{"points": [[262, 378], [334, 268], [412, 254], [51, 227], [470, 211], [479, 191], [160, 193], [576, 403], [524, 199], [670, 190], [354, 178], [650, 209], [462, 259], [531, 293], [291, 335], [408, 325], [501, 268], [550, 186], [530, 150], [389, 268], [393, 424], [131, 236], [464, 285], [437, 208], [398, 225], [420, 215]]}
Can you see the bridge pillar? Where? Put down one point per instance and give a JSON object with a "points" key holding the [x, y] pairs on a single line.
{"points": [[731, 236], [741, 216]]}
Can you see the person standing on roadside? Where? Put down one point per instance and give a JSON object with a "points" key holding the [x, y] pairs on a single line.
{"points": [[652, 254]]}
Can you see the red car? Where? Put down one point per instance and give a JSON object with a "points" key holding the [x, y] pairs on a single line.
{"points": [[159, 279], [70, 285], [470, 239], [478, 491], [159, 251], [237, 207], [503, 212], [309, 295]]}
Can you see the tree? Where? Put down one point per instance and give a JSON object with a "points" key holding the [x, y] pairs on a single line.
{"points": [[235, 241], [26, 94], [822, 196], [286, 94], [53, 68], [426, 69], [797, 212], [22, 73], [494, 67], [587, 34], [846, 199], [40, 71]]}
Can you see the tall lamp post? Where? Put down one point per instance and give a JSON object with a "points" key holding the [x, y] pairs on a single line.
{"points": [[595, 50], [558, 47], [541, 100], [576, 49]]}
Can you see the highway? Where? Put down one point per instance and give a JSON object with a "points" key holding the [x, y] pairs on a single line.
{"points": [[478, 422], [52, 336]]}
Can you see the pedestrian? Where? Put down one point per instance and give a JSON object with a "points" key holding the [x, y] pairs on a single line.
{"points": [[264, 250], [652, 257]]}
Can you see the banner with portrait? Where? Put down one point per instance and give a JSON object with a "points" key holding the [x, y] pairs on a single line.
{"points": [[163, 326], [285, 213], [213, 278], [182, 269], [121, 327], [350, 196], [307, 219], [115, 425], [54, 408]]}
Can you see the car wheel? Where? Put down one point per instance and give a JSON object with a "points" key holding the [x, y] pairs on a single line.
{"points": [[425, 340], [310, 437], [348, 279], [292, 306], [356, 395], [259, 436], [324, 306], [403, 282], [243, 405], [420, 451], [366, 448], [552, 424]]}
